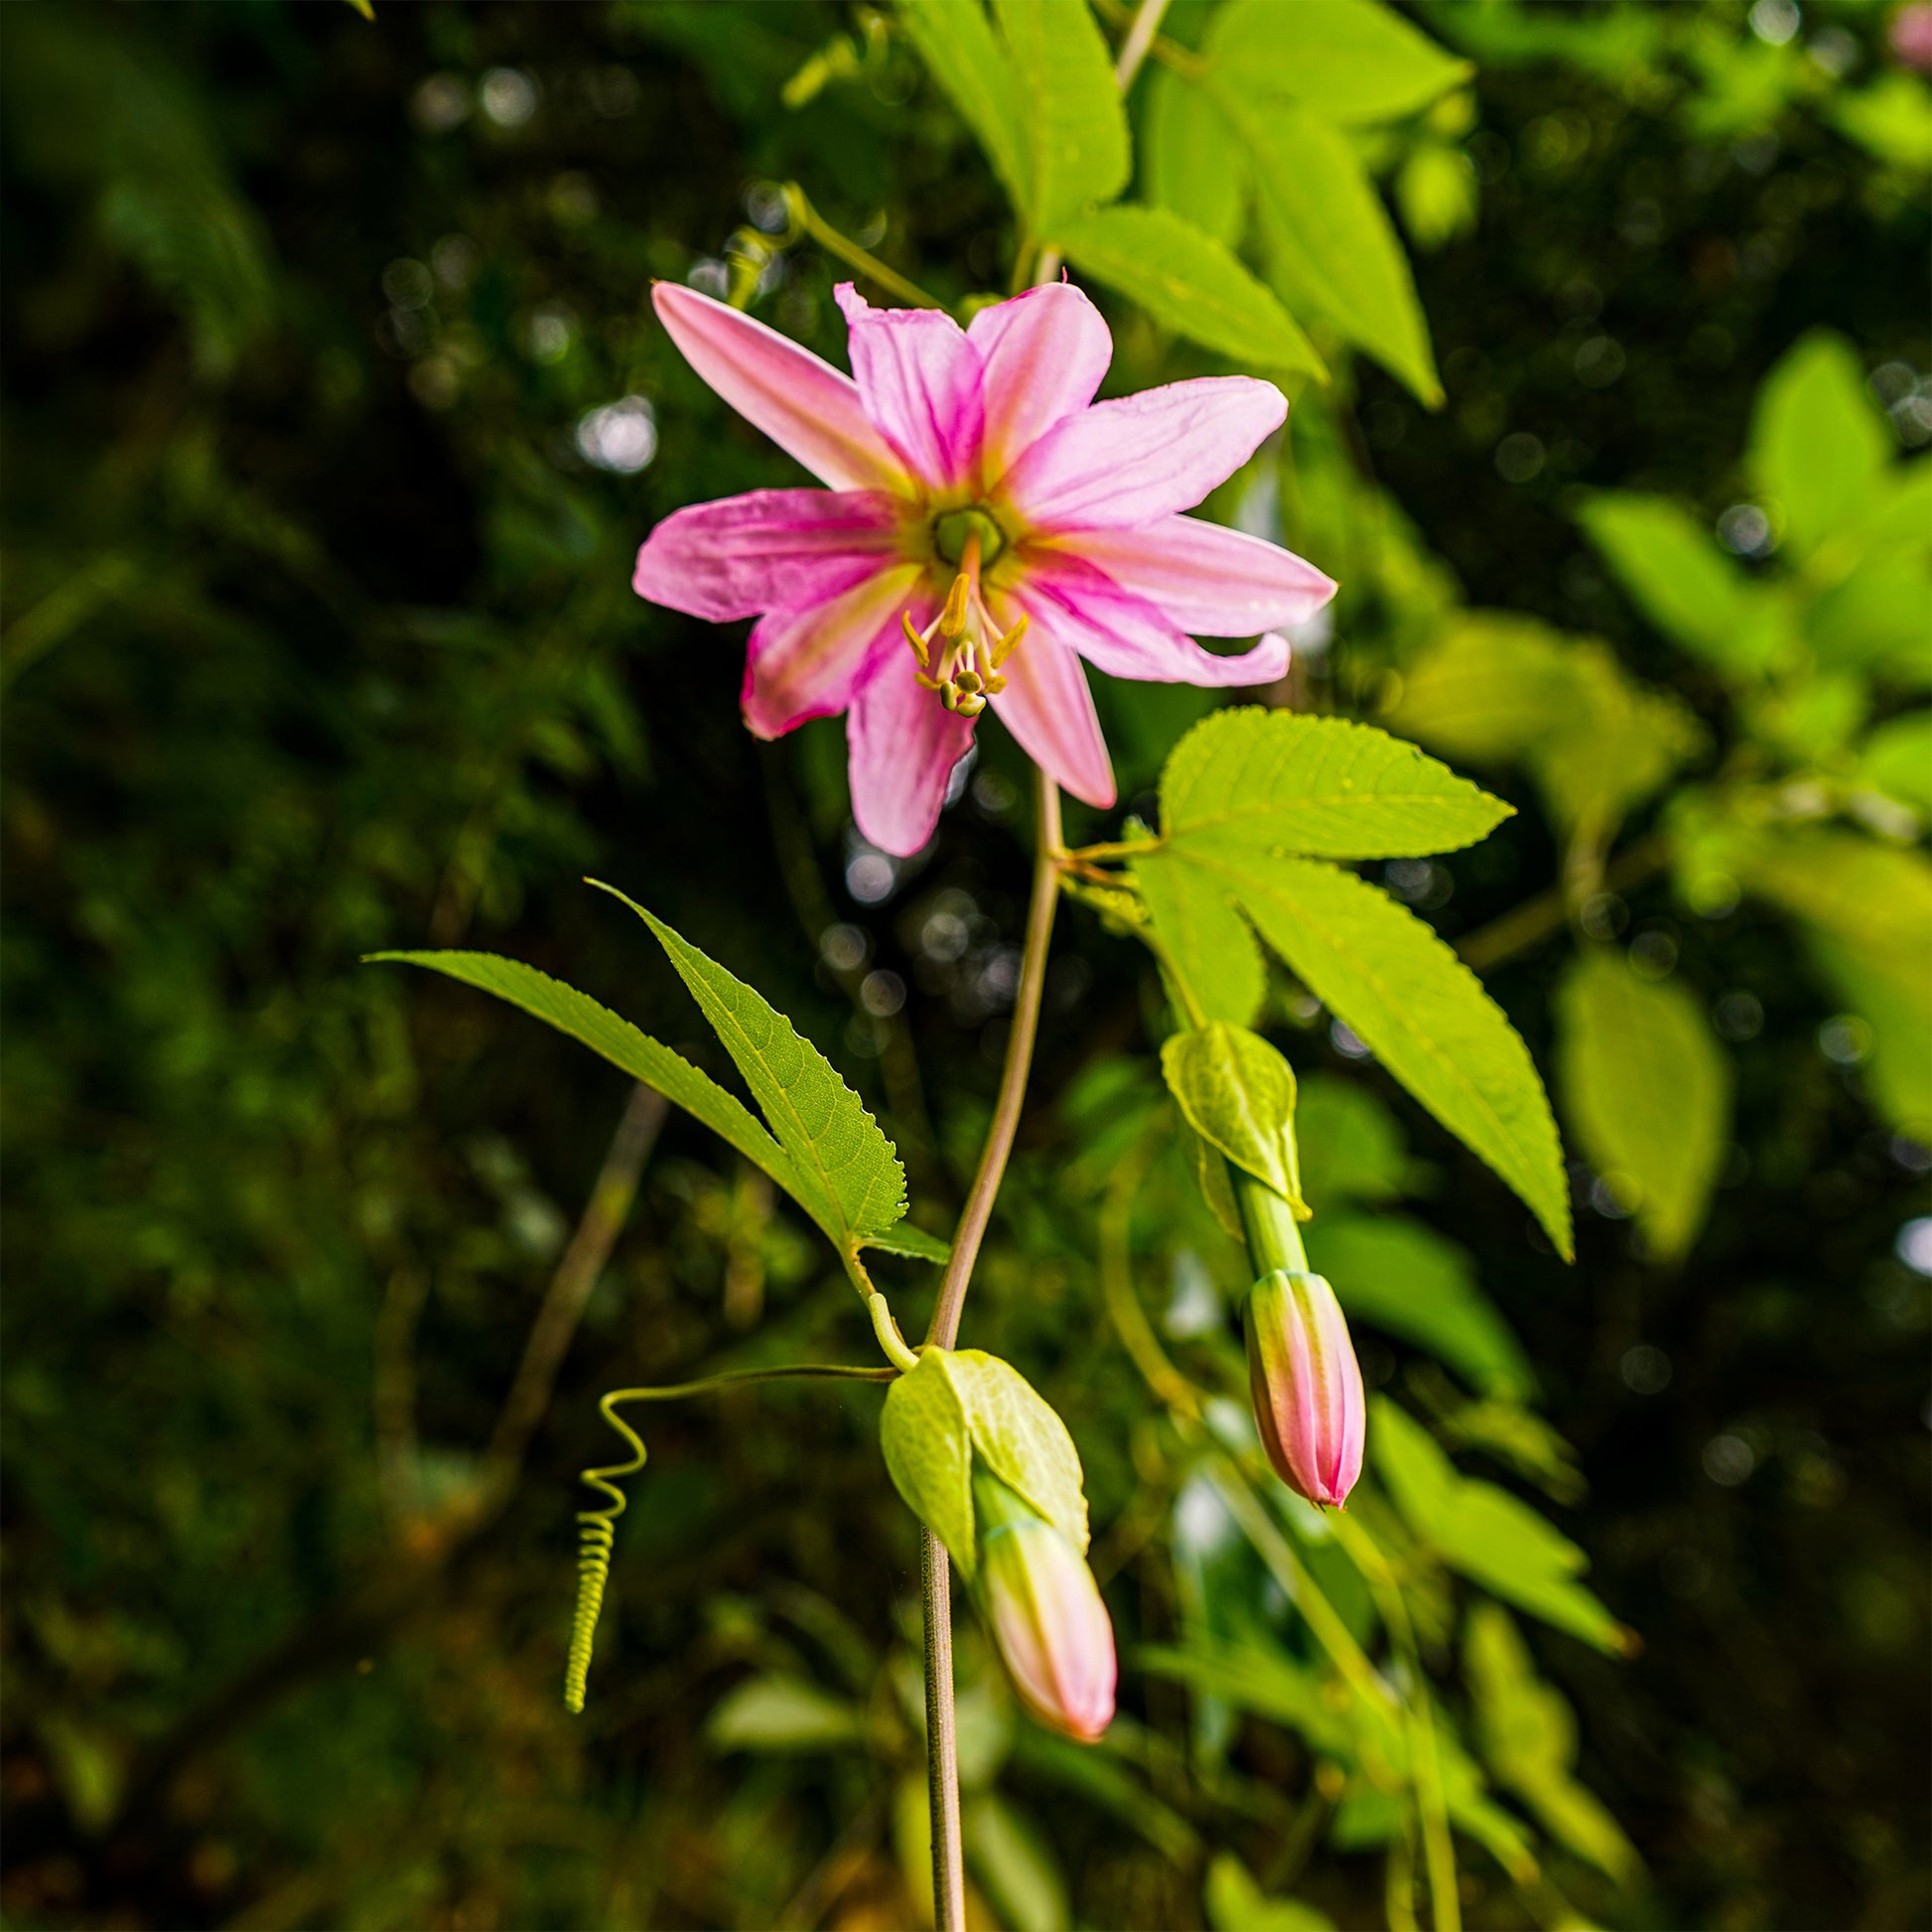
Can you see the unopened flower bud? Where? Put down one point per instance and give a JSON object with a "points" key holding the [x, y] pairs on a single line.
{"points": [[1044, 1612], [1306, 1385]]}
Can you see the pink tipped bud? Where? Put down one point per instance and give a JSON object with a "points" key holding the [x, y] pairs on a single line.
{"points": [[1306, 1384], [1043, 1608]]}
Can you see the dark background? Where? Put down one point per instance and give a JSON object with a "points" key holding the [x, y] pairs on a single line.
{"points": [[321, 640]]}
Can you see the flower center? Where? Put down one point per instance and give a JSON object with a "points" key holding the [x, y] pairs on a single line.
{"points": [[952, 530], [961, 650]]}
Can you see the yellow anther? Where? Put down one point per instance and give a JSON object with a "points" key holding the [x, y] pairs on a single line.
{"points": [[969, 704], [926, 683], [952, 620], [949, 697], [913, 639], [1010, 642], [967, 681], [995, 684]]}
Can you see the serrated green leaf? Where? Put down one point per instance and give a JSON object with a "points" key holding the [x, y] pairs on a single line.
{"points": [[623, 1045], [1284, 782], [1238, 1094], [915, 1244], [1207, 944], [1682, 582], [785, 1714], [956, 41], [1347, 60], [928, 1451], [1484, 1532], [1330, 247], [1407, 1280], [1020, 1439], [855, 1188], [1820, 445], [1068, 107], [1420, 1010], [1646, 1089], [1191, 283], [1193, 163], [1528, 1735]]}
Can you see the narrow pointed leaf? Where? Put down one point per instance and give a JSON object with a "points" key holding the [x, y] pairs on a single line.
{"points": [[1207, 944], [854, 1185], [1194, 162], [1068, 103], [623, 1045], [1347, 60], [956, 41]]}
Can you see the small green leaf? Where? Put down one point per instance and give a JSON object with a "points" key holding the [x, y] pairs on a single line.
{"points": [[1647, 1092], [1193, 163], [1891, 119], [1435, 191], [1684, 584], [785, 1714], [1235, 1904], [1014, 1864], [956, 41], [1284, 782], [847, 1166], [1820, 445], [619, 1042], [1208, 943], [1484, 1532], [1211, 1176], [1528, 1737], [1067, 105], [1405, 1278], [1896, 759], [1877, 622], [1347, 60], [1238, 1094], [1020, 1439], [1420, 1010], [928, 1451], [1331, 245], [916, 1244], [1188, 282]]}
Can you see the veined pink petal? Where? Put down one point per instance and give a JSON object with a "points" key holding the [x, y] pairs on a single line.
{"points": [[765, 551], [1046, 704], [1123, 463], [1043, 353], [804, 405], [1213, 582], [919, 380], [904, 743], [806, 660], [1125, 635]]}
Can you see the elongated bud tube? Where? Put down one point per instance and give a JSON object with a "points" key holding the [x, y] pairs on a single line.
{"points": [[1306, 1384], [1043, 1609]]}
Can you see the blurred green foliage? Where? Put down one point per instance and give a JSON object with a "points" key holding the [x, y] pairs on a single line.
{"points": [[335, 412]]}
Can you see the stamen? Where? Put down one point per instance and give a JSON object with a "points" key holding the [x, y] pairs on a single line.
{"points": [[952, 620], [913, 639], [1010, 642]]}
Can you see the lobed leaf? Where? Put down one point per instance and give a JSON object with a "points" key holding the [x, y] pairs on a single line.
{"points": [[1647, 1092], [1188, 282], [854, 1185], [623, 1045], [1288, 783]]}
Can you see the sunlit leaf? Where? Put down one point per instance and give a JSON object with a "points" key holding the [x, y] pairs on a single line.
{"points": [[1067, 106], [1347, 60], [928, 1451], [1331, 245], [1191, 161], [1286, 782], [1897, 761], [1210, 946], [1188, 282], [1820, 445], [785, 1714], [956, 41], [1238, 1094], [1646, 1089]]}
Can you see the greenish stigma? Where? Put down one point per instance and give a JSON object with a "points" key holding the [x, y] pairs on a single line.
{"points": [[950, 531]]}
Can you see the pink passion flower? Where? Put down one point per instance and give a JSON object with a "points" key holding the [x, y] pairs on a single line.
{"points": [[987, 524]]}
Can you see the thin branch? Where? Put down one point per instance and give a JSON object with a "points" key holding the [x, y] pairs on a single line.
{"points": [[806, 221]]}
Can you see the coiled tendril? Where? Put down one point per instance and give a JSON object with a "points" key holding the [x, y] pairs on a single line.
{"points": [[597, 1528]]}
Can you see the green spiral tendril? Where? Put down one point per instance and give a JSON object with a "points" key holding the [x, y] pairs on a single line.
{"points": [[596, 1530]]}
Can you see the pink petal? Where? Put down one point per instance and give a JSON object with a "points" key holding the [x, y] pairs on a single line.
{"points": [[1213, 582], [904, 743], [1046, 705], [804, 405], [763, 551], [1137, 460], [806, 661], [1045, 354], [919, 380], [1127, 636]]}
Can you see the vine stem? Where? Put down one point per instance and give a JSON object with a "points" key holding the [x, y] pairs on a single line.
{"points": [[942, 1745]]}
